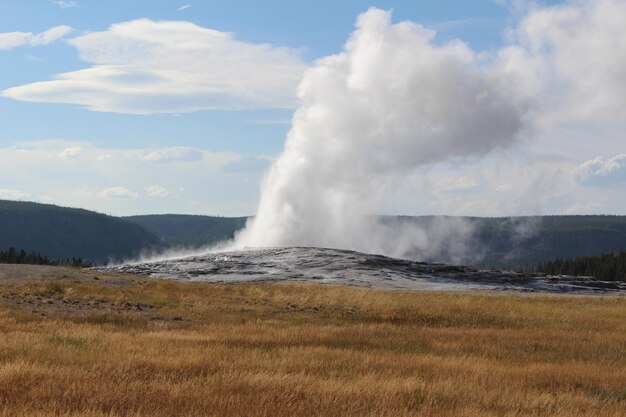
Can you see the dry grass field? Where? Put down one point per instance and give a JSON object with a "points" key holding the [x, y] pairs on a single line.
{"points": [[84, 343]]}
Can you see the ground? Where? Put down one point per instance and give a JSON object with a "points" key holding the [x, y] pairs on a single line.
{"points": [[86, 343]]}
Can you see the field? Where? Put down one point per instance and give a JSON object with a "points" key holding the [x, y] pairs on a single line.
{"points": [[84, 343]]}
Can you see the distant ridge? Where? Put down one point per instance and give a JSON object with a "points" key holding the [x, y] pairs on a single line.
{"points": [[62, 232], [500, 242]]}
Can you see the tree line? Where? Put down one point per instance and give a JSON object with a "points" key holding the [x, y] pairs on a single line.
{"points": [[606, 267], [14, 256]]}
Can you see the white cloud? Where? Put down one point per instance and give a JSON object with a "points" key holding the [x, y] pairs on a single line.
{"points": [[66, 4], [602, 172], [145, 67], [51, 35], [157, 191], [10, 194], [184, 7], [71, 152], [462, 183], [177, 154], [117, 192], [9, 40]]}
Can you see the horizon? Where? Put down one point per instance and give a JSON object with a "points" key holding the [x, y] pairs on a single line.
{"points": [[105, 108]]}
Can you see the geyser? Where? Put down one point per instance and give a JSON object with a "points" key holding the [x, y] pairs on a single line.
{"points": [[391, 101], [394, 100]]}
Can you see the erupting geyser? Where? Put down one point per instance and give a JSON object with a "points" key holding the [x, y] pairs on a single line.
{"points": [[391, 101], [395, 100]]}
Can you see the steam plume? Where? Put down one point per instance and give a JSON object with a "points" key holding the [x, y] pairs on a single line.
{"points": [[390, 102], [395, 100]]}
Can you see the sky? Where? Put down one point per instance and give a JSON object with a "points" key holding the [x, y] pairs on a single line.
{"points": [[181, 107]]}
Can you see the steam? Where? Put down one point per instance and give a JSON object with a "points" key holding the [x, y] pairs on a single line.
{"points": [[395, 100], [392, 101]]}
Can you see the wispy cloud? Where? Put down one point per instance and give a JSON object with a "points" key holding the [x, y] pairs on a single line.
{"points": [[9, 40], [145, 67], [157, 191], [66, 4], [117, 192], [176, 154], [71, 152], [601, 172], [185, 7]]}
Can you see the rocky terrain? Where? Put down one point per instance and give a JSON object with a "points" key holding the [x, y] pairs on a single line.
{"points": [[333, 266]]}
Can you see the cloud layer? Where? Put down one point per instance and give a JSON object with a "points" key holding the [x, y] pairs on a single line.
{"points": [[128, 181], [145, 66]]}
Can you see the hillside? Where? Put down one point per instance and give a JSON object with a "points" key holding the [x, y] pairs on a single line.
{"points": [[187, 230], [504, 242], [520, 242], [61, 232]]}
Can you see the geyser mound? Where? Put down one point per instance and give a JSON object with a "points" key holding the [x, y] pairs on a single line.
{"points": [[334, 266]]}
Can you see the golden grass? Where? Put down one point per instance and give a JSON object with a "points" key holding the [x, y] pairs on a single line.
{"points": [[137, 347]]}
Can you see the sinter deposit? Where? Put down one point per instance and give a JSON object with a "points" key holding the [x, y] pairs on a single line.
{"points": [[333, 266]]}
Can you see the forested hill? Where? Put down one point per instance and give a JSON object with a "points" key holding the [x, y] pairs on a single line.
{"points": [[61, 232], [528, 241], [506, 242], [525, 241], [190, 231]]}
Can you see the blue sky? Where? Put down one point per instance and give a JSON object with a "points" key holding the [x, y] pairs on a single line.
{"points": [[314, 29], [210, 148]]}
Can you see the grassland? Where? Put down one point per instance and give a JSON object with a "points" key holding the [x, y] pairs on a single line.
{"points": [[84, 343]]}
